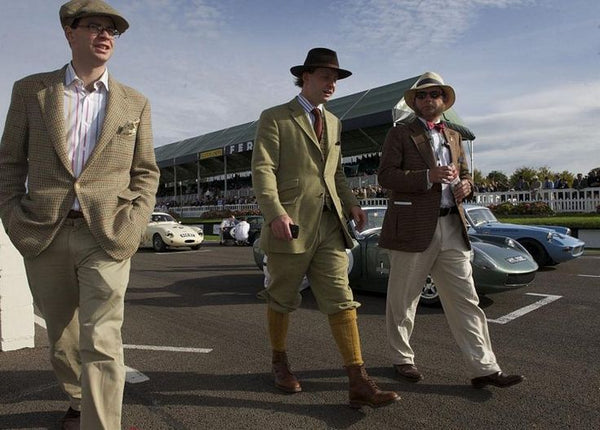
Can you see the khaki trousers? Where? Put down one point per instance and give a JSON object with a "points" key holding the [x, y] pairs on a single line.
{"points": [[326, 266], [447, 259], [80, 292]]}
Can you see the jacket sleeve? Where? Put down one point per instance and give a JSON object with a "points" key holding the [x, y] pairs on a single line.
{"points": [[265, 164], [144, 171], [13, 157]]}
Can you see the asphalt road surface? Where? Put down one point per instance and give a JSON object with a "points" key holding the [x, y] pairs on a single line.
{"points": [[199, 358]]}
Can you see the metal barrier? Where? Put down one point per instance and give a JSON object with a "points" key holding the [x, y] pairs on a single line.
{"points": [[560, 201]]}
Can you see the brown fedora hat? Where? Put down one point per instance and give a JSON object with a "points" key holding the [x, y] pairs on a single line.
{"points": [[426, 80], [321, 57], [76, 9]]}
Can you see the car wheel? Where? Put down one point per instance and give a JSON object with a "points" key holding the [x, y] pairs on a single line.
{"points": [[429, 294], [158, 244], [196, 247], [537, 251]]}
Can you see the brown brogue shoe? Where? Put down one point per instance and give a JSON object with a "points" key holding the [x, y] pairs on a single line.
{"points": [[409, 372], [285, 380], [497, 379], [71, 420], [364, 392]]}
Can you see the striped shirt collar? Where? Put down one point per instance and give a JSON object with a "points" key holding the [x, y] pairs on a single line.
{"points": [[306, 105], [71, 77]]}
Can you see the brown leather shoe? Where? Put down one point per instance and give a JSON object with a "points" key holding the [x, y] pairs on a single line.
{"points": [[71, 420], [285, 380], [364, 392], [497, 379], [409, 372]]}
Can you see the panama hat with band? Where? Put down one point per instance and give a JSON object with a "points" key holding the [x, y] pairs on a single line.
{"points": [[428, 80], [76, 9], [320, 57]]}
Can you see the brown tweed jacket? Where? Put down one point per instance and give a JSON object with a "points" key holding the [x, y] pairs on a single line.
{"points": [[290, 174], [116, 189], [413, 210]]}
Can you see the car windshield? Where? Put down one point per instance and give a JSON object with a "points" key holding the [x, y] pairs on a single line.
{"points": [[162, 218], [374, 218], [481, 216]]}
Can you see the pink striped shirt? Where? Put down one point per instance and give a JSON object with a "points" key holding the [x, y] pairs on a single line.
{"points": [[84, 116]]}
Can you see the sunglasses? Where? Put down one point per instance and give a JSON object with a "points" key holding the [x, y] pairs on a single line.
{"points": [[422, 95]]}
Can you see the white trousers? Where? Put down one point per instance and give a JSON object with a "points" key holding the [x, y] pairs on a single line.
{"points": [[447, 260]]}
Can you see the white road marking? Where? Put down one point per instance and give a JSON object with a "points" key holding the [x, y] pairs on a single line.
{"points": [[179, 251], [39, 321], [548, 298], [169, 348], [134, 376], [589, 276]]}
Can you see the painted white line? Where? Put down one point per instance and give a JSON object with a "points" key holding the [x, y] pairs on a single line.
{"points": [[39, 321], [173, 252], [169, 348], [133, 376], [549, 298], [589, 276]]}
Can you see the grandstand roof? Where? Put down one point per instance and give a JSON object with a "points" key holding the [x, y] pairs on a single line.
{"points": [[366, 118]]}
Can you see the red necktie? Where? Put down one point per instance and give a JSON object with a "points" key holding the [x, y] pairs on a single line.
{"points": [[318, 123], [440, 126]]}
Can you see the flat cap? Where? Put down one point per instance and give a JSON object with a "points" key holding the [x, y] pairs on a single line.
{"points": [[75, 9]]}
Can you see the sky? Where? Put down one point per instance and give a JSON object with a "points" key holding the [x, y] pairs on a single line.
{"points": [[526, 72]]}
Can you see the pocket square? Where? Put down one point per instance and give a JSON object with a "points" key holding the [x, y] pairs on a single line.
{"points": [[130, 128]]}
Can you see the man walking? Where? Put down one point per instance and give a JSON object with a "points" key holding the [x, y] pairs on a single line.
{"points": [[302, 193], [77, 185], [424, 168]]}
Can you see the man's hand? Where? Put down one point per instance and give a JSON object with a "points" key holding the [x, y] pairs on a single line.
{"points": [[461, 190], [359, 216], [442, 174], [280, 227]]}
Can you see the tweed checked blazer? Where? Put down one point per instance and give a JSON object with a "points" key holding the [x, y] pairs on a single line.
{"points": [[413, 209], [290, 175], [116, 188]]}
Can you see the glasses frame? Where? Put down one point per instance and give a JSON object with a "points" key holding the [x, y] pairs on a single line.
{"points": [[435, 94], [98, 29]]}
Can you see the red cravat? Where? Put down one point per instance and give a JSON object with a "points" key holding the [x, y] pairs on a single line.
{"points": [[318, 123], [440, 126]]}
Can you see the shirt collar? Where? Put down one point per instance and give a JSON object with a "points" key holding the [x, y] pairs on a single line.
{"points": [[306, 105], [71, 77]]}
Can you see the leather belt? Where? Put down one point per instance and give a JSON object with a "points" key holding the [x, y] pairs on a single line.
{"points": [[448, 211], [74, 214]]}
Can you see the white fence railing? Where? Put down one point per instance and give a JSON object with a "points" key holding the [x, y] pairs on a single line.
{"points": [[560, 201]]}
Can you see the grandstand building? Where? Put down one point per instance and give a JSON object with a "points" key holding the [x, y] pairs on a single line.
{"points": [[214, 168]]}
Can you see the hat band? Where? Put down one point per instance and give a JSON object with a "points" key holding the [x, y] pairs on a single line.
{"points": [[429, 81]]}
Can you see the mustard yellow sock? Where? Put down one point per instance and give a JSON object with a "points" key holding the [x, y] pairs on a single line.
{"points": [[278, 328], [345, 332]]}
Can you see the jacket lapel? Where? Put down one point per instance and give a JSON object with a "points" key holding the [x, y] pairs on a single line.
{"points": [[422, 141], [299, 115], [116, 111], [51, 100], [452, 145]]}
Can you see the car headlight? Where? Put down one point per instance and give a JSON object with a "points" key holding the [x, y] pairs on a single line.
{"points": [[483, 260]]}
